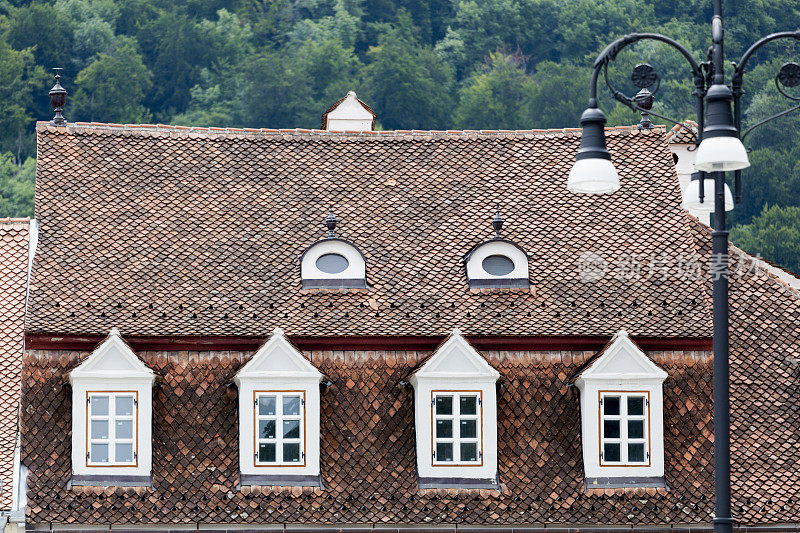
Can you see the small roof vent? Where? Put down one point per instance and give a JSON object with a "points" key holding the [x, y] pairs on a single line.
{"points": [[349, 114]]}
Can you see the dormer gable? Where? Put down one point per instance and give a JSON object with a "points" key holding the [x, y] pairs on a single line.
{"points": [[349, 114], [278, 359], [113, 359], [456, 360], [622, 359], [622, 417]]}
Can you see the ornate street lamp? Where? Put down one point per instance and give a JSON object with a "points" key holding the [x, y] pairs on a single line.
{"points": [[718, 142]]}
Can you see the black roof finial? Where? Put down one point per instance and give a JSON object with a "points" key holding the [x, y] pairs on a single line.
{"points": [[58, 99], [497, 222], [330, 222]]}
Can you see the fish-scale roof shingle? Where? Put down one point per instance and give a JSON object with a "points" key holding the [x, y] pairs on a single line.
{"points": [[177, 231]]}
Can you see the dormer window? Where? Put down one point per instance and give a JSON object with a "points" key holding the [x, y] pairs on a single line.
{"points": [[455, 402], [333, 263], [112, 409], [279, 417], [497, 263], [622, 417]]}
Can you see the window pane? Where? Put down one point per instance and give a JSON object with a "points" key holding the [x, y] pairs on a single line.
{"points": [[291, 452], [332, 263], [291, 429], [124, 405], [469, 429], [266, 405], [291, 405], [444, 429], [124, 453], [124, 429], [99, 405], [611, 405], [636, 453], [469, 451], [498, 265], [266, 452], [444, 405], [635, 429], [611, 452], [99, 453], [266, 429], [444, 451], [469, 405], [611, 429], [635, 405], [99, 429]]}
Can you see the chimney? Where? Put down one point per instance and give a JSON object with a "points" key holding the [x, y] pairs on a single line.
{"points": [[349, 114]]}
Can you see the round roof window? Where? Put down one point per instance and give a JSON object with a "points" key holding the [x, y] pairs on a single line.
{"points": [[498, 265], [332, 263]]}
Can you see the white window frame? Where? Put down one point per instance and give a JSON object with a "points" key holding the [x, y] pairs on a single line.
{"points": [[455, 416], [112, 418], [624, 417], [279, 418]]}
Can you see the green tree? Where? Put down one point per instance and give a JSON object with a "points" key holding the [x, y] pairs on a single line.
{"points": [[406, 83], [20, 79], [113, 87], [498, 97], [774, 234], [16, 186]]}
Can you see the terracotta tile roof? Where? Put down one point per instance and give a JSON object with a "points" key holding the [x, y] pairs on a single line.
{"points": [[680, 135], [368, 458], [368, 462], [13, 281], [164, 230], [765, 396]]}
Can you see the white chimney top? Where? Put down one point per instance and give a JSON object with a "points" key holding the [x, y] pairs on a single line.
{"points": [[349, 114]]}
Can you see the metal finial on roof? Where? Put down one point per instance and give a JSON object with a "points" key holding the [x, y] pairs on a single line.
{"points": [[497, 222], [330, 222], [58, 99]]}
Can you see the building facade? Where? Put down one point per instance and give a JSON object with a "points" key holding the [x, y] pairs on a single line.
{"points": [[317, 330]]}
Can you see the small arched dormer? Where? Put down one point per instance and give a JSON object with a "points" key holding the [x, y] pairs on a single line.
{"points": [[497, 263], [333, 262]]}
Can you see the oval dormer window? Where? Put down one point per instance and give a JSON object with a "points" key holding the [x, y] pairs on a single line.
{"points": [[332, 263], [498, 265]]}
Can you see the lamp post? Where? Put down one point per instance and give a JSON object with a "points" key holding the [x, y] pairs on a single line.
{"points": [[718, 142]]}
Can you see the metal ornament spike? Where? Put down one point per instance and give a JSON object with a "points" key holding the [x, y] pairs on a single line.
{"points": [[58, 99], [330, 223], [497, 222]]}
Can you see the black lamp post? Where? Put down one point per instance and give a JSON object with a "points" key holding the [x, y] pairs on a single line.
{"points": [[719, 148]]}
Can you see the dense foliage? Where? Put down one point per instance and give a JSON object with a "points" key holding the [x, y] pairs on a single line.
{"points": [[432, 64]]}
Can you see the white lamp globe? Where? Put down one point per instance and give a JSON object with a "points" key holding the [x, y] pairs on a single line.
{"points": [[721, 154], [593, 176], [691, 200]]}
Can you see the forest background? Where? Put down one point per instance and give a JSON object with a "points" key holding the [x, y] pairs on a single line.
{"points": [[420, 64]]}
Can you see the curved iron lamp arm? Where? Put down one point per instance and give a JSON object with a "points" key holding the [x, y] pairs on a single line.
{"points": [[612, 50], [736, 86]]}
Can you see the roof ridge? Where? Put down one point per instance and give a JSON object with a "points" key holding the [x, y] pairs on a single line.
{"points": [[202, 131], [14, 220]]}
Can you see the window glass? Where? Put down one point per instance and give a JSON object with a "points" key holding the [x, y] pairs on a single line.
{"points": [[332, 263], [279, 437], [624, 438], [111, 438], [456, 428], [498, 265]]}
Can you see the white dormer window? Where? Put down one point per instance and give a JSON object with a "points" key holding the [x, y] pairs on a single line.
{"points": [[455, 402], [333, 263], [112, 404], [622, 417], [349, 114], [497, 263], [279, 417]]}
